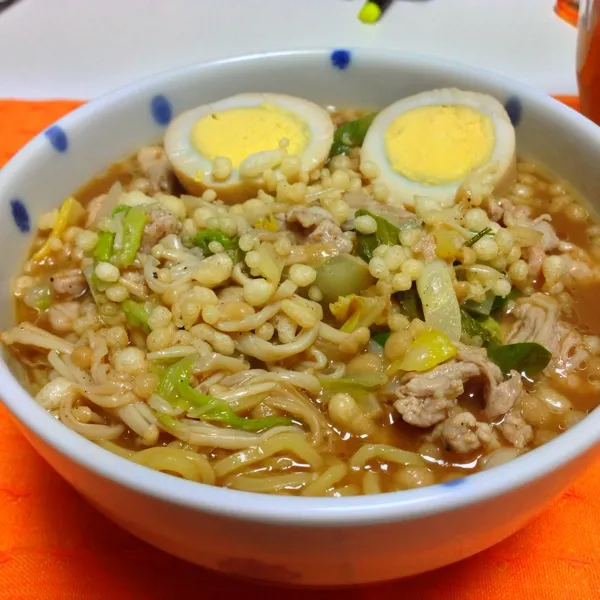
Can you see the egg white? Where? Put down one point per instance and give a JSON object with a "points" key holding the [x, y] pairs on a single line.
{"points": [[188, 162], [406, 190]]}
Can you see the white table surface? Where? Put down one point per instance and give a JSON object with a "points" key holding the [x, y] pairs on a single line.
{"points": [[83, 48]]}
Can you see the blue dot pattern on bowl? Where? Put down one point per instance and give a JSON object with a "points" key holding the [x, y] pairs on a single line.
{"points": [[161, 109], [20, 214], [340, 59], [514, 108], [454, 482], [57, 137]]}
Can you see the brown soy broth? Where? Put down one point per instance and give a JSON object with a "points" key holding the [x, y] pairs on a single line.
{"points": [[393, 431], [585, 297], [123, 172], [584, 310]]}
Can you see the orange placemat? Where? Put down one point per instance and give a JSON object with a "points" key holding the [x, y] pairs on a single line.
{"points": [[53, 546]]}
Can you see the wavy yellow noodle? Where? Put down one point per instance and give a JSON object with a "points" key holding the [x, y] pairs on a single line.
{"points": [[326, 480], [383, 452], [188, 465], [287, 443], [371, 483], [270, 484]]}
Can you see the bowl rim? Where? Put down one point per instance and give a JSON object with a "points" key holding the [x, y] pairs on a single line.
{"points": [[290, 510]]}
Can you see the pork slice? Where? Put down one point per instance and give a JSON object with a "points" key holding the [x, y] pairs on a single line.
{"points": [[156, 168], [426, 247], [516, 430], [161, 223], [327, 232], [69, 284], [423, 399], [536, 321], [62, 316], [500, 395], [307, 216], [462, 433]]}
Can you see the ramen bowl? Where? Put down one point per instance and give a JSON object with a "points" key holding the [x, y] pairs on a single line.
{"points": [[285, 539]]}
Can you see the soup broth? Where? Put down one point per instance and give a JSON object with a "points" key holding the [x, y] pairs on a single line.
{"points": [[286, 343]]}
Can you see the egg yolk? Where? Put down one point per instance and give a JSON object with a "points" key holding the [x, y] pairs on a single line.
{"points": [[439, 144], [237, 133]]}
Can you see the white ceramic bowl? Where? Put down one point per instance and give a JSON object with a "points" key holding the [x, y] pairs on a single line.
{"points": [[306, 541]]}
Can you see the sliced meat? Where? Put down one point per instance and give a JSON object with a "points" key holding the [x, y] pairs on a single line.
{"points": [[93, 209], [358, 199], [156, 168], [327, 232], [577, 271], [516, 430], [520, 216], [69, 284], [62, 316], [161, 223], [502, 397], [537, 319], [462, 433], [571, 352], [322, 227], [426, 247], [494, 209], [307, 216], [423, 399], [534, 256], [428, 409], [550, 241], [478, 185]]}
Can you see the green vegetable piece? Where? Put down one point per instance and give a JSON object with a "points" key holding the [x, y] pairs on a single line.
{"points": [[230, 244], [481, 308], [343, 275], [363, 381], [177, 372], [92, 281], [478, 236], [528, 358], [410, 303], [206, 236], [119, 209], [386, 233], [104, 247], [133, 228], [501, 301], [209, 408], [136, 314], [174, 387], [473, 329], [221, 411], [166, 420], [381, 337], [492, 326], [440, 304], [351, 134], [41, 297]]}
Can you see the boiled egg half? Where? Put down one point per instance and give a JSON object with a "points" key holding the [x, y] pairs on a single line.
{"points": [[229, 144], [426, 145]]}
